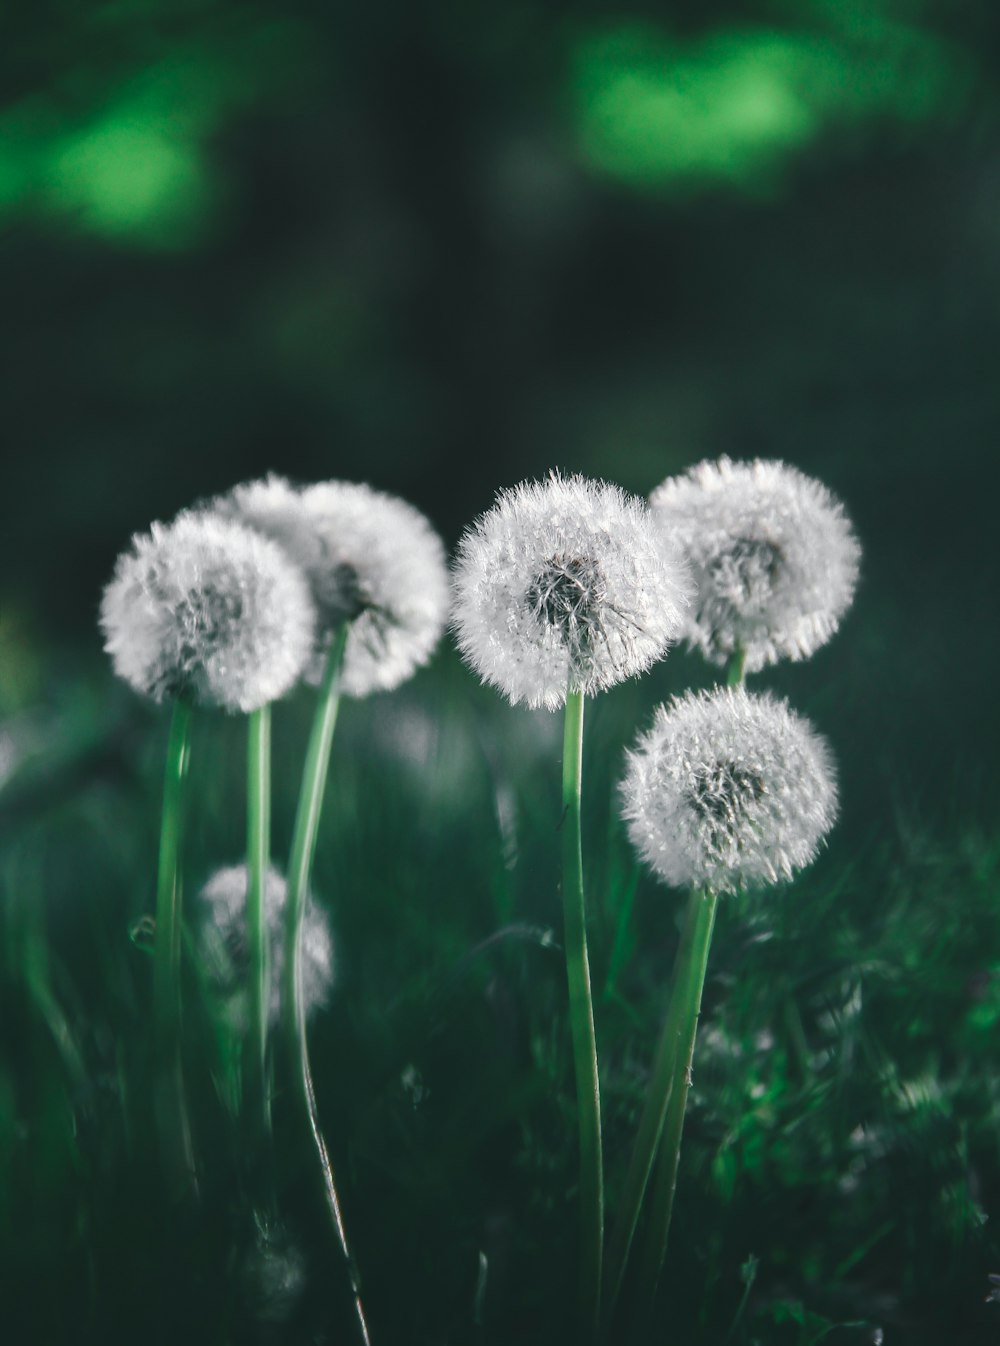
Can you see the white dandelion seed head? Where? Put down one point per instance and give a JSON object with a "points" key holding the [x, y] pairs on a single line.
{"points": [[773, 557], [224, 943], [728, 790], [565, 581], [205, 608], [371, 559], [274, 507]]}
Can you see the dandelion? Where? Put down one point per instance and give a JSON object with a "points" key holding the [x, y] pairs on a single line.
{"points": [[207, 611], [204, 612], [379, 580], [565, 585], [372, 560], [773, 557], [727, 791], [226, 953], [563, 589]]}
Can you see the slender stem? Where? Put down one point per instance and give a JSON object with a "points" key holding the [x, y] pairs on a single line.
{"points": [[171, 1103], [736, 670], [581, 1014], [293, 1005], [654, 1110], [314, 774], [665, 1177], [257, 1101]]}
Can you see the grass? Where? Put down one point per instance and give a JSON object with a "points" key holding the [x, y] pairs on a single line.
{"points": [[843, 1123]]}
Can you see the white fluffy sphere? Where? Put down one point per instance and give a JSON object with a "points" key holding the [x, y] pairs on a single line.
{"points": [[370, 558], [773, 557], [728, 790], [205, 608], [565, 583], [224, 943]]}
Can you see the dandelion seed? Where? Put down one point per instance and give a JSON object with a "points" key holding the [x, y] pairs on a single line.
{"points": [[224, 945], [728, 790], [206, 609], [565, 584], [773, 557], [372, 560]]}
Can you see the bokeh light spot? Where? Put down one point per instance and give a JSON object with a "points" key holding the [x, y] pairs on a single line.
{"points": [[733, 106], [125, 176]]}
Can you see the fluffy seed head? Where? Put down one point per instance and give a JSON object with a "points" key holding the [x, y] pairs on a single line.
{"points": [[773, 557], [728, 790], [206, 608], [370, 558], [223, 939], [564, 582]]}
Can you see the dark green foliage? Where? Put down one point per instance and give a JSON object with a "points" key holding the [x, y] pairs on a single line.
{"points": [[843, 1121]]}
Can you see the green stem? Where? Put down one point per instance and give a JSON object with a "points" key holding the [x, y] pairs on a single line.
{"points": [[581, 1013], [654, 1109], [293, 1006], [257, 1101], [171, 1103], [665, 1177], [736, 671]]}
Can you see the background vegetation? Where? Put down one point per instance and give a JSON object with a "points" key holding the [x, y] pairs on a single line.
{"points": [[441, 248]]}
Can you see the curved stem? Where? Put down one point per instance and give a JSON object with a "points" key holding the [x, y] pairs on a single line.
{"points": [[171, 1102], [736, 670], [665, 1178], [257, 1100], [581, 1013], [654, 1110], [292, 1000]]}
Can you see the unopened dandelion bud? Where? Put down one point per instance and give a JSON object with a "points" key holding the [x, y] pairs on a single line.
{"points": [[207, 609], [773, 557], [371, 559], [728, 790], [224, 944], [565, 584]]}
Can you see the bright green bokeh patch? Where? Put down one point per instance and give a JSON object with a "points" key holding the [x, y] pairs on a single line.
{"points": [[132, 162], [734, 105], [652, 110], [128, 178]]}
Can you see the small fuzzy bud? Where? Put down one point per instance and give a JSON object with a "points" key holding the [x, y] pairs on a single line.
{"points": [[224, 943]]}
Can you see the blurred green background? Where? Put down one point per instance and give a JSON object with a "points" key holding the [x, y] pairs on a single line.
{"points": [[441, 248]]}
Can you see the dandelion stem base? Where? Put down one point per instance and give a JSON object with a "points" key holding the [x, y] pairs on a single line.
{"points": [[654, 1110], [689, 990]]}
